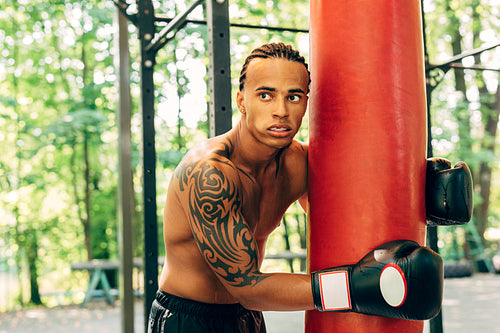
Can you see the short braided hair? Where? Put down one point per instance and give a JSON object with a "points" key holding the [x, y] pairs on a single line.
{"points": [[273, 50]]}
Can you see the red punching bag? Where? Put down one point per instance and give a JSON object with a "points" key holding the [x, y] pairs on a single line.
{"points": [[367, 155]]}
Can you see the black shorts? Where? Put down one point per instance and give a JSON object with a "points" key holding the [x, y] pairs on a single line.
{"points": [[171, 313]]}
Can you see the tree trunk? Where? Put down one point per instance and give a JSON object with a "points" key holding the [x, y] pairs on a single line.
{"points": [[490, 111], [17, 183], [461, 111], [483, 181], [86, 71], [83, 219], [87, 224], [32, 256]]}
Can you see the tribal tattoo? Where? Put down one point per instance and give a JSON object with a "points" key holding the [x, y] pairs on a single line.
{"points": [[217, 223]]}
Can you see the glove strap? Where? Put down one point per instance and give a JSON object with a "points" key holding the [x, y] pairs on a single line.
{"points": [[331, 289]]}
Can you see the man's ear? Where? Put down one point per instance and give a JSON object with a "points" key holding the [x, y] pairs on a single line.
{"points": [[240, 101]]}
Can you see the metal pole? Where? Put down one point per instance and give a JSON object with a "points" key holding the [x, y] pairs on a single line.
{"points": [[219, 71], [125, 193], [146, 21], [436, 323]]}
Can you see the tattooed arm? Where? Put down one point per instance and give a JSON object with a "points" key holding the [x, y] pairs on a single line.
{"points": [[211, 197]]}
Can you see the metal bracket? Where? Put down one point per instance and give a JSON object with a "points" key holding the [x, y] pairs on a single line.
{"points": [[454, 62], [122, 7], [168, 32]]}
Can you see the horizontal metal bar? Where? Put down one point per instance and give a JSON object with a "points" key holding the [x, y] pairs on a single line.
{"points": [[271, 28], [446, 65], [474, 67], [162, 18]]}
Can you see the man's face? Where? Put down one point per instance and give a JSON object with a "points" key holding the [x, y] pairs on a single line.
{"points": [[274, 100]]}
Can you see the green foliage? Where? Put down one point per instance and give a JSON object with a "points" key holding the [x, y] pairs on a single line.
{"points": [[465, 106], [58, 157], [104, 224], [57, 78]]}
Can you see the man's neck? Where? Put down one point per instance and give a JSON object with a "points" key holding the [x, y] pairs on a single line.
{"points": [[251, 156]]}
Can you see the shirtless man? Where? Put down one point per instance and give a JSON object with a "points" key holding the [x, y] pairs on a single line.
{"points": [[230, 192], [225, 198]]}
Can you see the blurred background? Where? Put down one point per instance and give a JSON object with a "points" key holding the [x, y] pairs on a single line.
{"points": [[59, 136]]}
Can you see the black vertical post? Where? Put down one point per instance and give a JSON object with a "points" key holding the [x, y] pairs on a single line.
{"points": [[436, 323], [146, 21], [219, 72]]}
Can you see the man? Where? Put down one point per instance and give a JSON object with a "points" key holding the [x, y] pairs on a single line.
{"points": [[230, 192], [225, 198]]}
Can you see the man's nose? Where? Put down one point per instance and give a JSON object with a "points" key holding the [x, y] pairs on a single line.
{"points": [[281, 109]]}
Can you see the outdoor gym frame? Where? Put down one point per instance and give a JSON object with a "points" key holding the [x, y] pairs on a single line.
{"points": [[153, 38], [219, 118]]}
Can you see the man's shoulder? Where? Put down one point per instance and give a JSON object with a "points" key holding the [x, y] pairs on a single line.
{"points": [[214, 150], [299, 147], [211, 154], [295, 160], [297, 151]]}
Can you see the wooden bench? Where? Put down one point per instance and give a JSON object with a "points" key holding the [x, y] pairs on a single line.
{"points": [[288, 255], [97, 269]]}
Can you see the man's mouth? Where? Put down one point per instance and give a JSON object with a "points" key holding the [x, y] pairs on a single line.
{"points": [[279, 130]]}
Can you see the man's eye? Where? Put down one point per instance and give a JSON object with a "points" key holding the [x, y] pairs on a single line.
{"points": [[265, 96], [294, 98]]}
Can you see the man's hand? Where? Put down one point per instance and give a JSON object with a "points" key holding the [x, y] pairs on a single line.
{"points": [[448, 193], [399, 279]]}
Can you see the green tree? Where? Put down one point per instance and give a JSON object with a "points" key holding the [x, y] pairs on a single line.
{"points": [[466, 106], [56, 65], [57, 116]]}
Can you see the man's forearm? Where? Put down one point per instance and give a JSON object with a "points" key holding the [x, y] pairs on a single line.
{"points": [[277, 292]]}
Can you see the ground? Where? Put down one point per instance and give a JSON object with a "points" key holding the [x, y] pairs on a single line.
{"points": [[470, 305]]}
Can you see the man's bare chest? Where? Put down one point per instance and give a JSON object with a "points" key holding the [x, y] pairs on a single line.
{"points": [[263, 205]]}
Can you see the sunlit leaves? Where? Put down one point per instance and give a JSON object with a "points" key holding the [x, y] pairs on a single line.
{"points": [[56, 63]]}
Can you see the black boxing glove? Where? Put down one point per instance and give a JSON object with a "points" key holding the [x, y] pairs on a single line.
{"points": [[399, 279], [448, 193]]}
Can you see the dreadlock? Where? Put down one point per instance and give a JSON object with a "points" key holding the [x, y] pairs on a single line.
{"points": [[272, 50]]}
